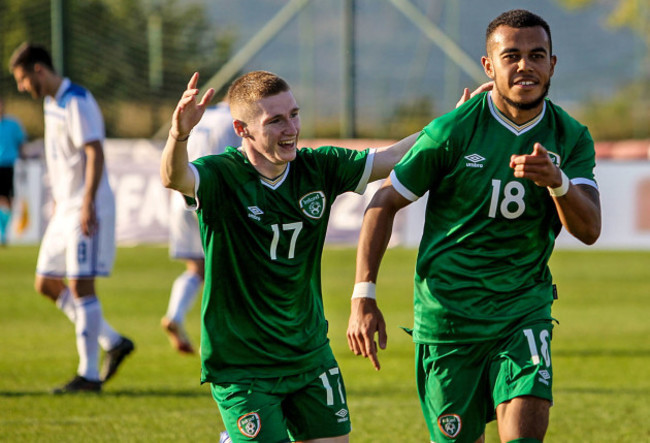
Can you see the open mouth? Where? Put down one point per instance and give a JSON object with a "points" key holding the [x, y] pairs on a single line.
{"points": [[287, 143]]}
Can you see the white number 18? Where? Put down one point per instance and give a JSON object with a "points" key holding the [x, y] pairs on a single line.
{"points": [[513, 193]]}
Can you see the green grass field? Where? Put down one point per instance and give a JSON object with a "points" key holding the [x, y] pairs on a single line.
{"points": [[601, 353]]}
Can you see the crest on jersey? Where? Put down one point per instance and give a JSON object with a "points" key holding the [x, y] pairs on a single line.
{"points": [[555, 158], [450, 424], [313, 204], [249, 424]]}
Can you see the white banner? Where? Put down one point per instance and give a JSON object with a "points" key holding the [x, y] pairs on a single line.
{"points": [[143, 203]]}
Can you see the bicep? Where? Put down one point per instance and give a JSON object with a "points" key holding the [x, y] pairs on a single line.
{"points": [[591, 193], [389, 198], [387, 157]]}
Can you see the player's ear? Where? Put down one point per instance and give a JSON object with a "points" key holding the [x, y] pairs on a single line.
{"points": [[240, 128], [553, 63], [487, 66]]}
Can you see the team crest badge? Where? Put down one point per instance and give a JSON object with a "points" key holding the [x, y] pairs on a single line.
{"points": [[313, 204], [249, 424], [554, 158], [450, 425]]}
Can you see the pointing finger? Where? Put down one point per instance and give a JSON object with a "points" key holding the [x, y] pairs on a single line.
{"points": [[538, 149]]}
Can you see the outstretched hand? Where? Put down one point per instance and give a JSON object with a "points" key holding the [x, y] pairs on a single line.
{"points": [[467, 95], [537, 167], [365, 320], [189, 111]]}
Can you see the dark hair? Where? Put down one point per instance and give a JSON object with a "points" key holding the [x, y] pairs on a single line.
{"points": [[519, 18], [27, 55]]}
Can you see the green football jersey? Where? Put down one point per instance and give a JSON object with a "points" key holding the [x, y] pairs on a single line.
{"points": [[262, 309], [488, 236]]}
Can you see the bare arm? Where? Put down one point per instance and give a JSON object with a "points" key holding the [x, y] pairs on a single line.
{"points": [[93, 174], [579, 208], [579, 211], [175, 171], [387, 157], [365, 317]]}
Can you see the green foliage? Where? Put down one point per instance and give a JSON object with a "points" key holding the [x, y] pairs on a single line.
{"points": [[106, 48], [411, 117], [600, 354], [623, 116]]}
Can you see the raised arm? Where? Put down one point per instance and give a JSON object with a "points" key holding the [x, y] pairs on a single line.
{"points": [[577, 205], [175, 171], [365, 317], [387, 157]]}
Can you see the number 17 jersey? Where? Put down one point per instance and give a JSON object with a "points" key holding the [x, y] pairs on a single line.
{"points": [[262, 309], [488, 236]]}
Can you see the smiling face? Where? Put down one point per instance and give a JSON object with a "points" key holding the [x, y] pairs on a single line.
{"points": [[270, 133], [521, 65]]}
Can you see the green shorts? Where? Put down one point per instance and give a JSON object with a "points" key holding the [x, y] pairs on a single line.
{"points": [[460, 385], [299, 407]]}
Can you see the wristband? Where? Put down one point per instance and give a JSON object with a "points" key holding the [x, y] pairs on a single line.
{"points": [[562, 189], [183, 139], [364, 289]]}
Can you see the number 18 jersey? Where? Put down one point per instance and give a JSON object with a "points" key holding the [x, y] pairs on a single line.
{"points": [[488, 236]]}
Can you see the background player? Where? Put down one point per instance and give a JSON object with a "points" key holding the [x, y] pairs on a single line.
{"points": [[483, 289], [209, 137], [12, 138], [79, 243]]}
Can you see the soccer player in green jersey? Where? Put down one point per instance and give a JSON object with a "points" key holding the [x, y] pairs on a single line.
{"points": [[505, 171], [263, 210]]}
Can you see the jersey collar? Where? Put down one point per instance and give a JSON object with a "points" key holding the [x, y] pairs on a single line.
{"points": [[509, 124], [277, 181], [270, 183]]}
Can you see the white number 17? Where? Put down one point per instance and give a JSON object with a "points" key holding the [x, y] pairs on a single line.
{"points": [[295, 227]]}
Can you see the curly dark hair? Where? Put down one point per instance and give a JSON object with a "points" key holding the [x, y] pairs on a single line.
{"points": [[518, 18]]}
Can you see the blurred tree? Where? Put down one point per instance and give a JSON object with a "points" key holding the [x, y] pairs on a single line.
{"points": [[106, 48], [628, 112], [631, 13]]}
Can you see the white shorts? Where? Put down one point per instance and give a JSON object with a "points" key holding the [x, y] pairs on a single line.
{"points": [[184, 235], [66, 252]]}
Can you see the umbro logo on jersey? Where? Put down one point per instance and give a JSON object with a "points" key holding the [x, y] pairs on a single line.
{"points": [[474, 161], [255, 212]]}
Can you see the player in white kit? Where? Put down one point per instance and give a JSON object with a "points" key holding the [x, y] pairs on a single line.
{"points": [[79, 242], [209, 137]]}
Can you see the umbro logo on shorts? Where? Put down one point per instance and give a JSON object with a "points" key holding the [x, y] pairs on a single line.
{"points": [[342, 414]]}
